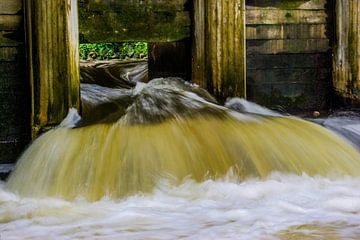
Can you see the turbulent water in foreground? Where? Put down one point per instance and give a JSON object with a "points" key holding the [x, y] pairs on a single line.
{"points": [[164, 161], [279, 207]]}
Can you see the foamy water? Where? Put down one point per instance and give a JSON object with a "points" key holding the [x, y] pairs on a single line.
{"points": [[88, 160], [280, 207]]}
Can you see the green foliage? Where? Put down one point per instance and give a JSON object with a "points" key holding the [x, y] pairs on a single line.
{"points": [[106, 51]]}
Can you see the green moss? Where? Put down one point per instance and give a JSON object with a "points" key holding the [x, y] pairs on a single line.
{"points": [[127, 21], [288, 15], [106, 51], [280, 4], [290, 4]]}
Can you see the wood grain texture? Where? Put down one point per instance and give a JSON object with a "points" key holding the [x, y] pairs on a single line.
{"points": [[9, 54], [220, 43], [286, 31], [54, 60], [287, 76], [10, 7], [288, 46], [133, 20], [288, 52], [288, 61], [10, 22], [10, 38], [347, 50], [275, 16], [198, 59], [285, 4]]}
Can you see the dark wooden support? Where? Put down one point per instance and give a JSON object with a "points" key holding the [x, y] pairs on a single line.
{"points": [[219, 42], [14, 87], [199, 73], [170, 60], [52, 38], [347, 50], [289, 53]]}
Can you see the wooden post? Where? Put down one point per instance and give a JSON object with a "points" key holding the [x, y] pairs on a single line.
{"points": [[219, 47], [53, 59], [347, 49]]}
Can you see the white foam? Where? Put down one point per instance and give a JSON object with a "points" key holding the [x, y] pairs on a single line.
{"points": [[71, 119], [245, 106], [224, 209]]}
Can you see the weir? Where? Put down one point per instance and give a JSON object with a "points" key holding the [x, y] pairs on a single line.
{"points": [[167, 158], [170, 129]]}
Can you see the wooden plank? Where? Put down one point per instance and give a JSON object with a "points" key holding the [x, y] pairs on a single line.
{"points": [[9, 69], [54, 60], [291, 97], [287, 76], [10, 7], [346, 61], [270, 16], [288, 61], [10, 39], [287, 46], [133, 20], [10, 22], [286, 31], [9, 54], [286, 4]]}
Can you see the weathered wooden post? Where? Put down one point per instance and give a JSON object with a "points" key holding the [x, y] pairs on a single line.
{"points": [[219, 47], [347, 49], [53, 58]]}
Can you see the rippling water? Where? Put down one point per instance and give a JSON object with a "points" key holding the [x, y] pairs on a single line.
{"points": [[280, 207]]}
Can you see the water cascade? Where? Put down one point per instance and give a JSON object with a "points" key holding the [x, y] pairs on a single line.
{"points": [[173, 130], [164, 161]]}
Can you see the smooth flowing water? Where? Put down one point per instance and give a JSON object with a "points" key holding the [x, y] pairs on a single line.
{"points": [[164, 161]]}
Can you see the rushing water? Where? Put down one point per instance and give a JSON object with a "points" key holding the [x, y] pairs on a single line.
{"points": [[283, 206], [164, 161]]}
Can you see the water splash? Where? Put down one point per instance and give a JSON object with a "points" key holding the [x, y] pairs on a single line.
{"points": [[174, 130], [279, 207]]}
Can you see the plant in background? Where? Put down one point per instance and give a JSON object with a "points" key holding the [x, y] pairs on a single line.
{"points": [[106, 51]]}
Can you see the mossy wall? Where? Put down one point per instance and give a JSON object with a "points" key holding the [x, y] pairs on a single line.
{"points": [[129, 20]]}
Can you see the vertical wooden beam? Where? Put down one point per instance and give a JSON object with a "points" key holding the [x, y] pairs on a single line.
{"points": [[198, 44], [53, 60], [346, 59], [219, 47]]}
